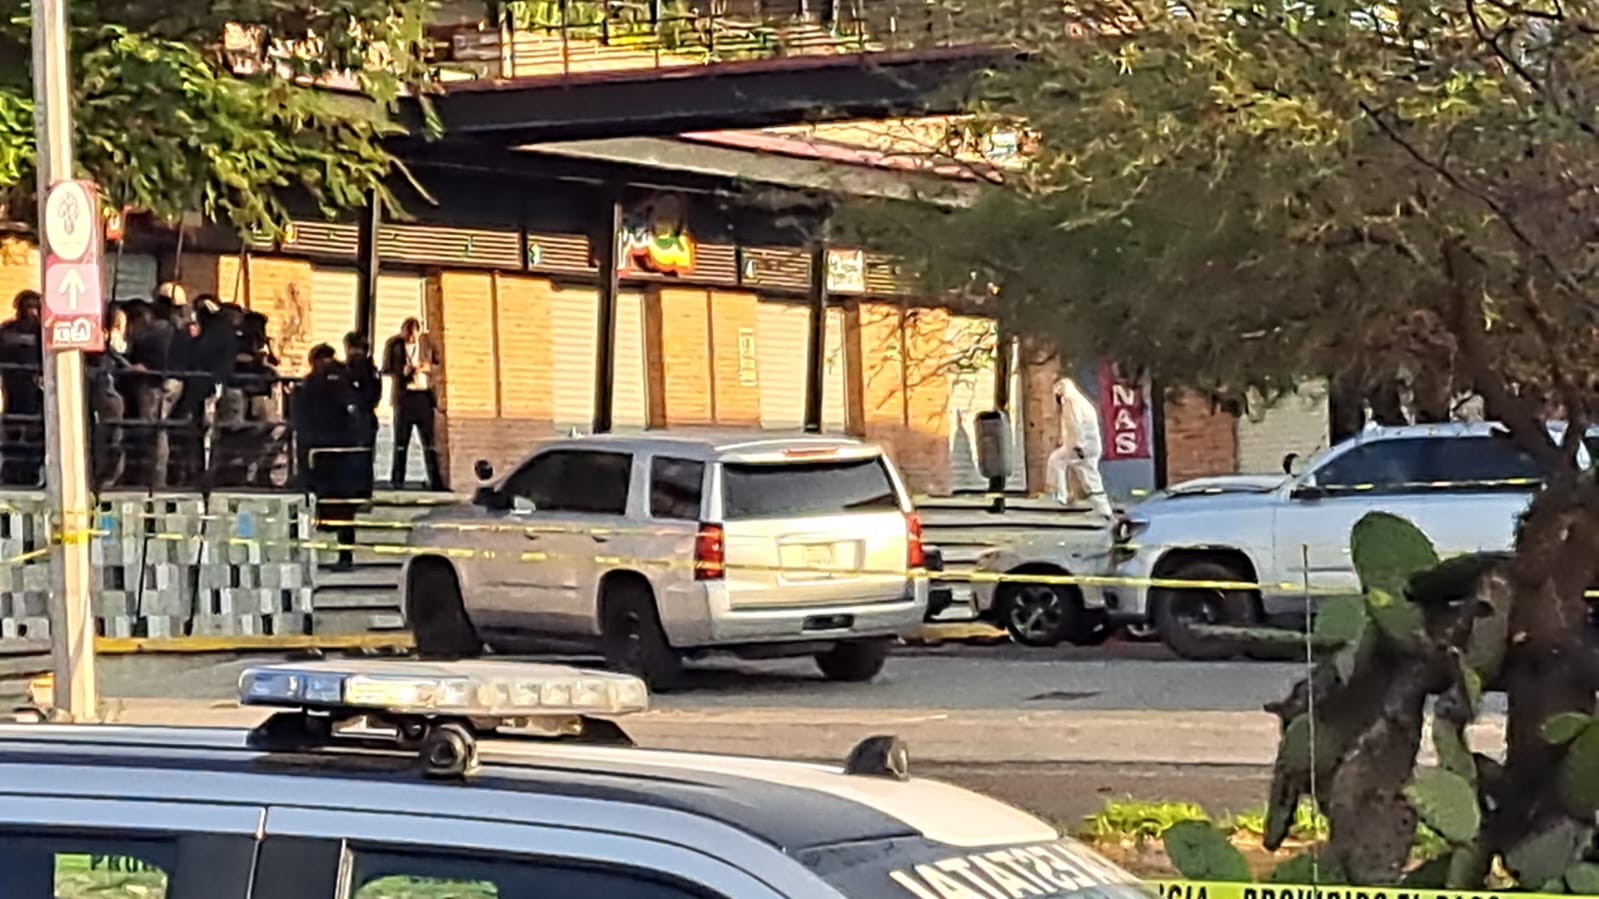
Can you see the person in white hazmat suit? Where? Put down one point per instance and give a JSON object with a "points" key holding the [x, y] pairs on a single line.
{"points": [[1074, 467]]}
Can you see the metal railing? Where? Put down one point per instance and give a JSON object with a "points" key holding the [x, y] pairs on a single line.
{"points": [[242, 435], [574, 37]]}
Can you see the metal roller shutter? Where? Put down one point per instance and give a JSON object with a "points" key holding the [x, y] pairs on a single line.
{"points": [[1296, 423], [399, 297], [332, 312], [574, 320], [782, 331], [780, 335], [835, 383], [971, 391], [630, 399]]}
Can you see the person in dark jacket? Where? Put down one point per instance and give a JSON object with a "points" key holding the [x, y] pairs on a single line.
{"points": [[368, 387], [150, 336], [328, 425], [107, 370], [22, 382], [411, 363]]}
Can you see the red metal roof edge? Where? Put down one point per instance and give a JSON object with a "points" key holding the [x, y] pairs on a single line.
{"points": [[862, 58]]}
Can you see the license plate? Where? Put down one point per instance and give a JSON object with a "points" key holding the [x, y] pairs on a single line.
{"points": [[818, 555]]}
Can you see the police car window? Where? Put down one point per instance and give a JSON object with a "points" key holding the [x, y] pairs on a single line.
{"points": [[382, 875], [1378, 465], [675, 488], [585, 482]]}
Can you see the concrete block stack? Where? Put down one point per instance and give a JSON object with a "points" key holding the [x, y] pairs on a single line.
{"points": [[170, 564]]}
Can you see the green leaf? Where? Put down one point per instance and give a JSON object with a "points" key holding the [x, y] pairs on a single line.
{"points": [[1566, 726], [1301, 868], [1583, 879], [1579, 773], [1398, 620], [1201, 852], [1447, 803], [1388, 550], [1546, 856], [1454, 755], [1341, 620]]}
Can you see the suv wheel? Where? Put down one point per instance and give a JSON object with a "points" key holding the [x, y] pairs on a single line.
{"points": [[633, 639], [1047, 614], [437, 616], [1177, 611], [855, 661]]}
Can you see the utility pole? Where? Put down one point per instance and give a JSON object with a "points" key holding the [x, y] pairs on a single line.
{"points": [[69, 229]]}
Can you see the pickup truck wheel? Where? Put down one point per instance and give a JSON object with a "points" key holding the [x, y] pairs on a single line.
{"points": [[437, 615], [633, 639], [855, 661], [1178, 610], [1045, 615]]}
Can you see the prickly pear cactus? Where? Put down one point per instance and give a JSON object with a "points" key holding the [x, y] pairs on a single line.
{"points": [[1379, 654], [1201, 852]]}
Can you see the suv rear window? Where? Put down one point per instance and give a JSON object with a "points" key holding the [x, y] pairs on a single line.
{"points": [[789, 489]]}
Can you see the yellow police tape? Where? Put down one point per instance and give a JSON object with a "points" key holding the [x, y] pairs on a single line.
{"points": [[616, 560], [1194, 889]]}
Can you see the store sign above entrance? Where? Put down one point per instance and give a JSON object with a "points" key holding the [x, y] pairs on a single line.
{"points": [[846, 271], [655, 238]]}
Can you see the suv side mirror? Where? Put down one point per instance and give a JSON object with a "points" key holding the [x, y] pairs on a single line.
{"points": [[483, 470], [1288, 463], [993, 445], [489, 498], [1308, 489]]}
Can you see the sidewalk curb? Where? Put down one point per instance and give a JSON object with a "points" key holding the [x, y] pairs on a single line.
{"points": [[929, 635], [397, 640]]}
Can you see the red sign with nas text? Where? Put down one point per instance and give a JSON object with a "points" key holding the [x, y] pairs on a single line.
{"points": [[1123, 408]]}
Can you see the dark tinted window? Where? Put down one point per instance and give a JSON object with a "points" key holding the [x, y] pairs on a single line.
{"points": [[806, 488], [409, 875], [582, 481], [1478, 462], [1378, 465], [675, 488], [100, 865]]}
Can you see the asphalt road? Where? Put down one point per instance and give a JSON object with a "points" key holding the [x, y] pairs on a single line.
{"points": [[1129, 678], [1024, 702]]}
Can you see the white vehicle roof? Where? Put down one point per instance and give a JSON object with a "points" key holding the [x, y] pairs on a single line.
{"points": [[727, 446]]}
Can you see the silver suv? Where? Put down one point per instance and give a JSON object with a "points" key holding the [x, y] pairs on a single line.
{"points": [[661, 546]]}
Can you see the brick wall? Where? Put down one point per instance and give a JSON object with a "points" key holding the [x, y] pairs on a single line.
{"points": [[496, 397], [902, 398], [1200, 440], [19, 271]]}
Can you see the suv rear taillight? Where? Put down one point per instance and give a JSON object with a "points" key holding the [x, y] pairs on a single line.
{"points": [[710, 553], [915, 554]]}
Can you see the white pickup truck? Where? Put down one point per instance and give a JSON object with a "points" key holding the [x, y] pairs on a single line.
{"points": [[1464, 485]]}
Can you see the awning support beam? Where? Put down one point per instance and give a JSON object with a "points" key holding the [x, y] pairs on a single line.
{"points": [[367, 268], [610, 265], [816, 338]]}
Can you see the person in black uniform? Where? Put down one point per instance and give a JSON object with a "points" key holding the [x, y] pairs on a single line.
{"points": [[368, 387], [22, 381], [329, 428]]}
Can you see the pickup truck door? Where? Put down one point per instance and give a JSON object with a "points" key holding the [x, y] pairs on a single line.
{"points": [[1315, 520]]}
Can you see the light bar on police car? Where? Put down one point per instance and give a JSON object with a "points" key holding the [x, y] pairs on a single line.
{"points": [[469, 689]]}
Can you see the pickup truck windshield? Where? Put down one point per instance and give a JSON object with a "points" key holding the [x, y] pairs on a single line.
{"points": [[917, 868], [791, 489]]}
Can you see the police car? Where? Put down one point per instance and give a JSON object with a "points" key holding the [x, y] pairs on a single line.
{"points": [[488, 780]]}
